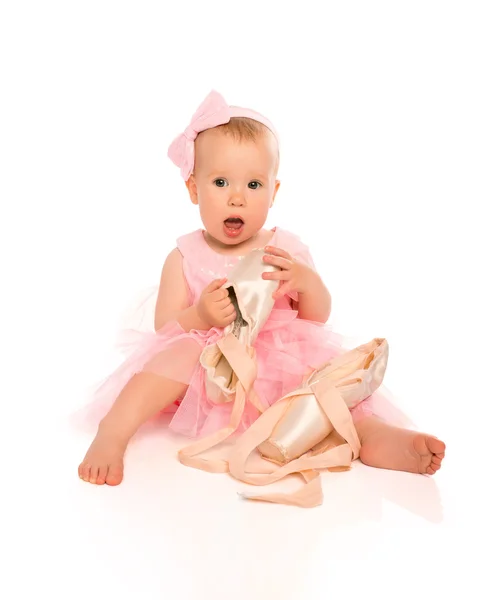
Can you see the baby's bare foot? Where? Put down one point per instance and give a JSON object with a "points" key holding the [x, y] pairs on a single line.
{"points": [[429, 452], [103, 462], [402, 450]]}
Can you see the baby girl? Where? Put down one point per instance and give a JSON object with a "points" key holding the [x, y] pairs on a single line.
{"points": [[229, 159]]}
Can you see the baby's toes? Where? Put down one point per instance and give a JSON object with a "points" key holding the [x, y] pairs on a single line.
{"points": [[85, 472], [436, 446], [103, 471], [115, 474], [93, 474]]}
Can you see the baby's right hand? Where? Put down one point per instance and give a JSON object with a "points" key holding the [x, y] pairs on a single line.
{"points": [[215, 307]]}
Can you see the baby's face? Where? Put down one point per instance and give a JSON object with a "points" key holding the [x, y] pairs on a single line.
{"points": [[234, 183]]}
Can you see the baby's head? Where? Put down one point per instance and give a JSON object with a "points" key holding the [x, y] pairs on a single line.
{"points": [[231, 175]]}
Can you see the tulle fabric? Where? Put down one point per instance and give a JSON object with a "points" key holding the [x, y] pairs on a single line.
{"points": [[287, 349]]}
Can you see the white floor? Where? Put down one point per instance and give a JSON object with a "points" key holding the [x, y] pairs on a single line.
{"points": [[169, 531]]}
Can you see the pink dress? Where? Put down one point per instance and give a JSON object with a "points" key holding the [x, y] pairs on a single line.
{"points": [[286, 348]]}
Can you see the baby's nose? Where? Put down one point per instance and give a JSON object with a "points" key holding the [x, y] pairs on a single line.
{"points": [[236, 200]]}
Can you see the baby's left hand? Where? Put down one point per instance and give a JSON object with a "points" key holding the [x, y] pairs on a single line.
{"points": [[295, 276]]}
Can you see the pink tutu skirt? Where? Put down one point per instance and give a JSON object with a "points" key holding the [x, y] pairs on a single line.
{"points": [[287, 349]]}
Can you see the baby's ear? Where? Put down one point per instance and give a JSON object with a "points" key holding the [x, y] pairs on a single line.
{"points": [[192, 189], [277, 186]]}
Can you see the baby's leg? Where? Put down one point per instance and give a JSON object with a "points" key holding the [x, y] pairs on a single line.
{"points": [[388, 447], [143, 397]]}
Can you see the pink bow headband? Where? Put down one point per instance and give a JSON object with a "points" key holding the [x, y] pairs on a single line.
{"points": [[212, 112]]}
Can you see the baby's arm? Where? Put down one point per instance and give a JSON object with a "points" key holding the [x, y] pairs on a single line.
{"points": [[315, 303], [173, 299]]}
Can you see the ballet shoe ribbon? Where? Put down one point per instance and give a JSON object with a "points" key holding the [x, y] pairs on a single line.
{"points": [[243, 362], [309, 465]]}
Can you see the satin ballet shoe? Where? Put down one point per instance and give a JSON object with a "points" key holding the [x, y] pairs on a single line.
{"points": [[355, 375], [311, 428], [252, 297], [230, 365], [304, 432]]}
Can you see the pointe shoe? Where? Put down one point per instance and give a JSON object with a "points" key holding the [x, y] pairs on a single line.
{"points": [[229, 364], [290, 432], [252, 297], [311, 428], [355, 375]]}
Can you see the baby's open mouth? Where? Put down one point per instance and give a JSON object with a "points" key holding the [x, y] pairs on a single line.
{"points": [[233, 226], [234, 223]]}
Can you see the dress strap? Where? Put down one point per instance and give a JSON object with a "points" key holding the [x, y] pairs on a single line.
{"points": [[189, 243]]}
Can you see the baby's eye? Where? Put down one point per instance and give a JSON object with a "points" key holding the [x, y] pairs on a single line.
{"points": [[254, 185], [220, 182]]}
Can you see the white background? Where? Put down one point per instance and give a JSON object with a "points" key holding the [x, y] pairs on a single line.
{"points": [[375, 103]]}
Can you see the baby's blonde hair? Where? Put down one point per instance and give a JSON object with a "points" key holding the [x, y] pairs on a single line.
{"points": [[245, 129]]}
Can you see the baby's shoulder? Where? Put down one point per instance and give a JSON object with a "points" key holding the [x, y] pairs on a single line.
{"points": [[189, 243]]}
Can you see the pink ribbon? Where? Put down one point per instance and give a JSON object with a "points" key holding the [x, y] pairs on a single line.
{"points": [[212, 112]]}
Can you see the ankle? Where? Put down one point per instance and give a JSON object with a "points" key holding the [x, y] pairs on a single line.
{"points": [[114, 430], [367, 427]]}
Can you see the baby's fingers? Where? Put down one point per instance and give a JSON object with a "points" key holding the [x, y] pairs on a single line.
{"points": [[282, 290], [219, 295], [276, 275], [223, 303], [228, 311], [228, 317], [278, 252], [215, 285], [282, 263]]}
